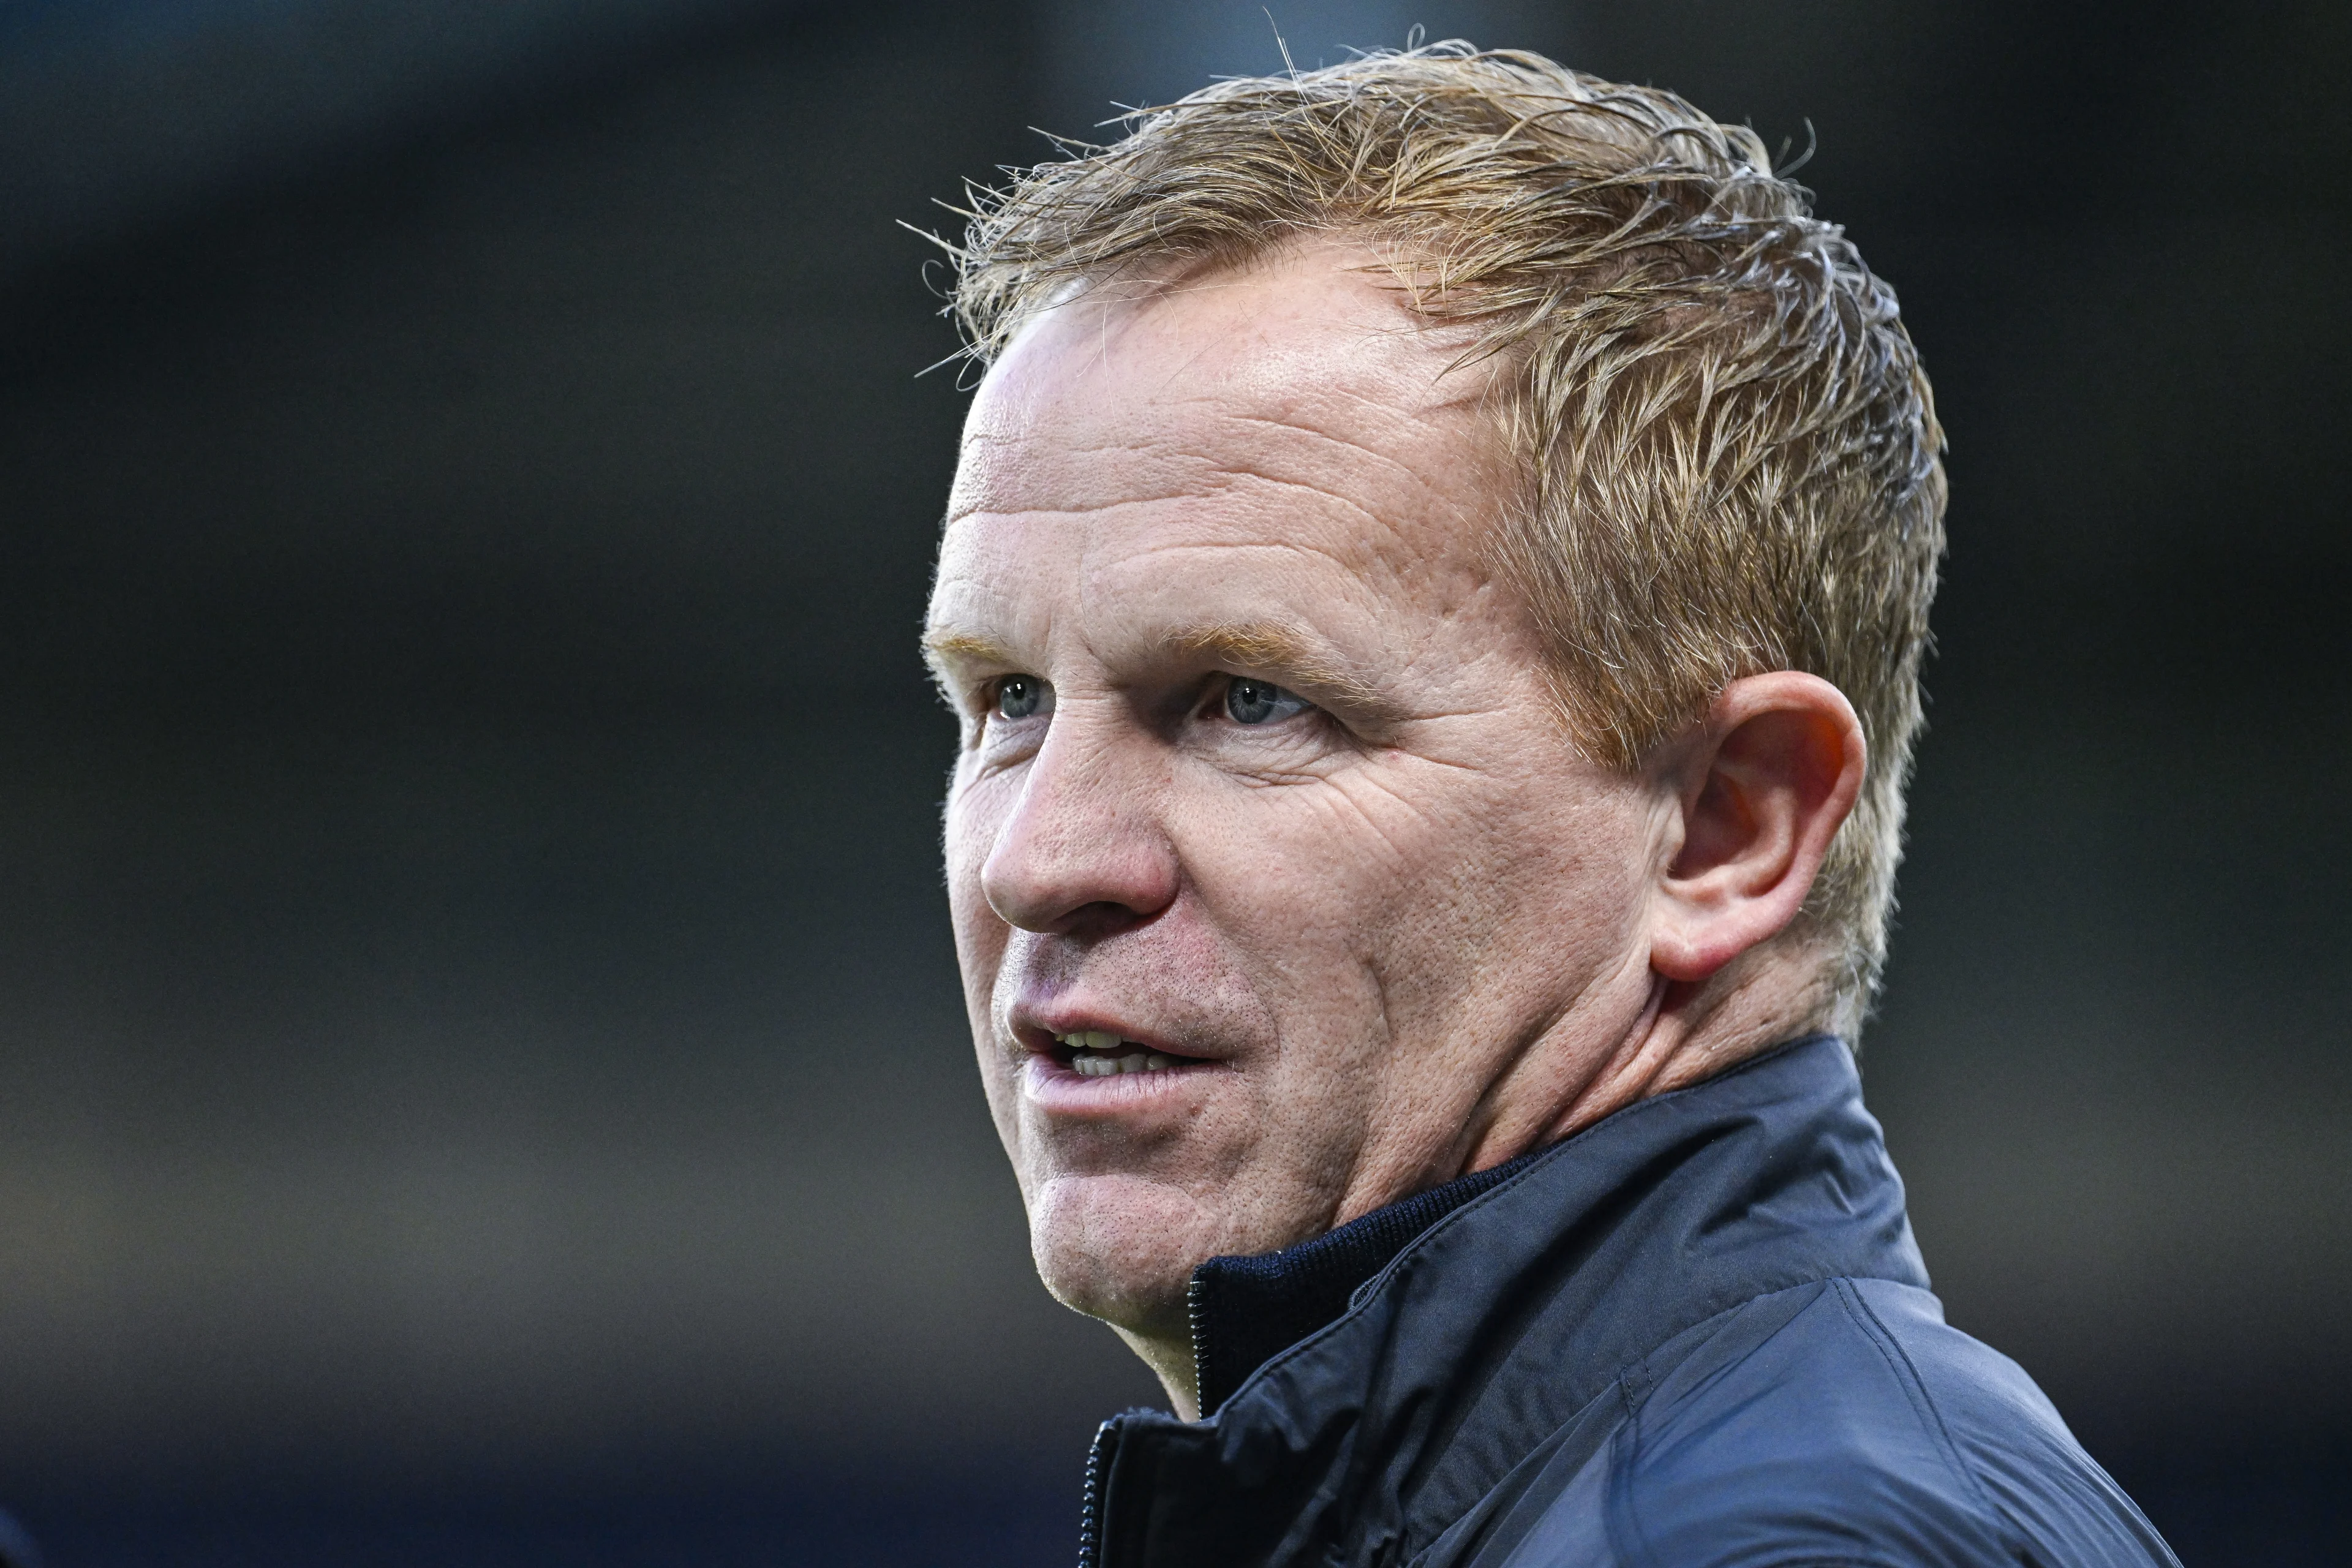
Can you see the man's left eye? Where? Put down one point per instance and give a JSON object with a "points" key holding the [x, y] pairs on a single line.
{"points": [[1260, 701]]}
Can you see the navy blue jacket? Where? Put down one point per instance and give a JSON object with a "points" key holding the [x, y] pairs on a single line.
{"points": [[1697, 1333]]}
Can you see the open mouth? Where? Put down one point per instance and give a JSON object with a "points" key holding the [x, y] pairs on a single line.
{"points": [[1097, 1053]]}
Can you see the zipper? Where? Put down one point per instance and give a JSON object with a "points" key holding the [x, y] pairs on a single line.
{"points": [[1196, 1319], [1090, 1513], [1105, 1450]]}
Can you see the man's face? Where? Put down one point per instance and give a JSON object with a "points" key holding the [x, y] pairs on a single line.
{"points": [[1270, 861]]}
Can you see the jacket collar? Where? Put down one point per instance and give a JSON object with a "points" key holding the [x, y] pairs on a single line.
{"points": [[1368, 1386], [1245, 1310]]}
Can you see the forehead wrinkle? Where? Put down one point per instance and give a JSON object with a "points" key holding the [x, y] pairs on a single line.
{"points": [[1426, 486], [1299, 415], [1315, 432], [1111, 459], [1234, 476], [1212, 477], [1077, 509], [1353, 571]]}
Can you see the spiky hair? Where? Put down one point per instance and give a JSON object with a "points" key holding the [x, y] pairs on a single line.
{"points": [[1729, 456]]}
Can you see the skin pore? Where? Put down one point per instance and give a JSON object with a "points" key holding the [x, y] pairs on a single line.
{"points": [[1280, 889]]}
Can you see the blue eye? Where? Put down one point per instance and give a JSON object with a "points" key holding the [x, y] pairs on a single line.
{"points": [[1259, 701], [1022, 697]]}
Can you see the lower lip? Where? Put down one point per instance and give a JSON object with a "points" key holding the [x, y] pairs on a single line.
{"points": [[1056, 1088]]}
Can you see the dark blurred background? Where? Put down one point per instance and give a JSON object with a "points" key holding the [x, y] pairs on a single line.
{"points": [[481, 1073]]}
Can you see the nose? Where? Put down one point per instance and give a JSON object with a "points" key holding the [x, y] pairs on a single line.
{"points": [[1084, 853]]}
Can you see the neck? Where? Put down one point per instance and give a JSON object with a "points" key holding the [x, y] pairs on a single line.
{"points": [[1683, 1035], [1169, 1357]]}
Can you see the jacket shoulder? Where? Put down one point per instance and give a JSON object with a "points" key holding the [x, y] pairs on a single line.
{"points": [[1844, 1423], [2052, 1496]]}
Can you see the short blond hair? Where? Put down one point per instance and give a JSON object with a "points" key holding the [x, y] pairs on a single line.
{"points": [[1730, 454]]}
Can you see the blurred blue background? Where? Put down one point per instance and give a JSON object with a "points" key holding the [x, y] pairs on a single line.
{"points": [[481, 1073]]}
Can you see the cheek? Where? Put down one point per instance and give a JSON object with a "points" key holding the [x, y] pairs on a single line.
{"points": [[980, 940], [1416, 884], [980, 937], [1320, 885], [1352, 852], [969, 829]]}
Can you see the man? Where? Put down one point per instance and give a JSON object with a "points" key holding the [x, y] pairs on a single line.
{"points": [[1435, 593]]}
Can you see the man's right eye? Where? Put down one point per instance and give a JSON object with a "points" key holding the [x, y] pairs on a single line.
{"points": [[1022, 697]]}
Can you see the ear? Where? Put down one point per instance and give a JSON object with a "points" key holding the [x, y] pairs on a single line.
{"points": [[1761, 787]]}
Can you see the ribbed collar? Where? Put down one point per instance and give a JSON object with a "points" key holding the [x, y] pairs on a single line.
{"points": [[1369, 1386], [1245, 1310]]}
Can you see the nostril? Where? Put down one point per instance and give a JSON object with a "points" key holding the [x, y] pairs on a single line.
{"points": [[1101, 918]]}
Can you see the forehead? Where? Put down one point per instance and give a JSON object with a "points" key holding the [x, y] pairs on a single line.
{"points": [[1296, 419]]}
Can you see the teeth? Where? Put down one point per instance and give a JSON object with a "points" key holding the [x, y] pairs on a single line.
{"points": [[1093, 1060]]}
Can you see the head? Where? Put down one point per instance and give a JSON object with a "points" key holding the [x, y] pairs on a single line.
{"points": [[1434, 592]]}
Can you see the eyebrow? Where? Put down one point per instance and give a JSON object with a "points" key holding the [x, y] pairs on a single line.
{"points": [[963, 647], [945, 651], [1276, 648], [1280, 648]]}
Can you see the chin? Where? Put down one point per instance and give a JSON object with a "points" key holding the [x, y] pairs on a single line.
{"points": [[1120, 1248]]}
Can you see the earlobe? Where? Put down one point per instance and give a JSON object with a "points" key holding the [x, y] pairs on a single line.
{"points": [[1762, 786]]}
